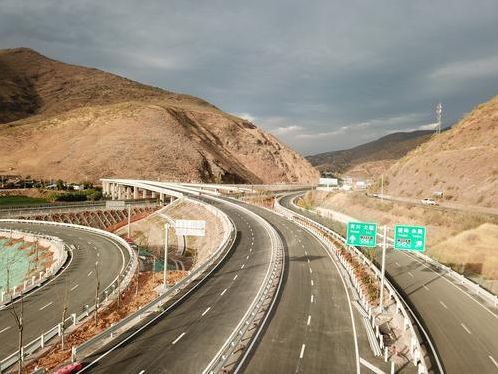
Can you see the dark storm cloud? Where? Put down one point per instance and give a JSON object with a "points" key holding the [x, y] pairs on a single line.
{"points": [[320, 75]]}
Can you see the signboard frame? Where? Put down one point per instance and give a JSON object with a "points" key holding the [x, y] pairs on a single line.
{"points": [[410, 238], [357, 232], [188, 227]]}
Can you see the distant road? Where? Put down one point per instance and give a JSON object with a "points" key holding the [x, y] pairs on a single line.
{"points": [[43, 307], [464, 330], [444, 205]]}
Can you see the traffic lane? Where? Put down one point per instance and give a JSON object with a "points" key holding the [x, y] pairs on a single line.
{"points": [[312, 324], [460, 327], [43, 308], [188, 337]]}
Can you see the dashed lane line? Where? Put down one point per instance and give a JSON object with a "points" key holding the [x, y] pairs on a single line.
{"points": [[242, 267], [75, 287], [236, 276], [204, 313], [312, 299], [309, 320], [301, 355], [465, 328], [410, 274], [312, 284], [443, 304], [223, 292], [46, 306], [90, 273], [5, 329], [177, 339], [427, 288], [493, 361]]}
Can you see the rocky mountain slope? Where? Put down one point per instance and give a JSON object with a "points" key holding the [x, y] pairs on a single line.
{"points": [[76, 123], [461, 162], [371, 158]]}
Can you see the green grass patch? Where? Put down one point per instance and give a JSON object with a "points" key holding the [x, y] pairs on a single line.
{"points": [[21, 200]]}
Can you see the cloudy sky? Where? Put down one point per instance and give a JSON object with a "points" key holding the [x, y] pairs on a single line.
{"points": [[320, 75]]}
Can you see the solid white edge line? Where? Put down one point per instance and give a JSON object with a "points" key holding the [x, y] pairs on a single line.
{"points": [[178, 338]]}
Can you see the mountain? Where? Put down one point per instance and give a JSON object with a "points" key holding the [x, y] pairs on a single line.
{"points": [[461, 162], [371, 158], [76, 123]]}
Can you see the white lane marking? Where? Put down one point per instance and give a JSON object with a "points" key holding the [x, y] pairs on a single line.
{"points": [[223, 292], [75, 287], [204, 313], [305, 253], [142, 372], [90, 273], [410, 274], [250, 250], [301, 355], [176, 340], [312, 284], [43, 307], [465, 328], [309, 320], [443, 304], [427, 288], [308, 260], [397, 263], [493, 361], [312, 298], [5, 329], [242, 267], [247, 257], [302, 245], [311, 271], [235, 277]]}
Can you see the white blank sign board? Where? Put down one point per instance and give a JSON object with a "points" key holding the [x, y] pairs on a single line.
{"points": [[188, 227]]}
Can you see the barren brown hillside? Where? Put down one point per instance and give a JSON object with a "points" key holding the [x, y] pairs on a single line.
{"points": [[462, 162], [75, 123]]}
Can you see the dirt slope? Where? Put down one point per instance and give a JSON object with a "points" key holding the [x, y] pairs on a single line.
{"points": [[462, 162], [369, 159], [75, 123]]}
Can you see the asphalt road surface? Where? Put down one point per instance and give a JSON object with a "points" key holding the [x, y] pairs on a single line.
{"points": [[187, 338], [43, 307], [312, 328], [463, 329]]}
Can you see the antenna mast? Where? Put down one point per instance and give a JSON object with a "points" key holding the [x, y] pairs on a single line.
{"points": [[439, 114]]}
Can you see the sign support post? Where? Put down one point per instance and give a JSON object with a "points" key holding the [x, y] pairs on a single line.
{"points": [[165, 270], [129, 221], [383, 271]]}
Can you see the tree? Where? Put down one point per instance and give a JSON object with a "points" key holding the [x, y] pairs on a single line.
{"points": [[60, 184]]}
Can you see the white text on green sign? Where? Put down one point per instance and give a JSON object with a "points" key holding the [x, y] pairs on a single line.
{"points": [[362, 234], [409, 238]]}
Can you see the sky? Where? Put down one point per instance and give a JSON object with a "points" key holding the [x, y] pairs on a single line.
{"points": [[321, 75]]}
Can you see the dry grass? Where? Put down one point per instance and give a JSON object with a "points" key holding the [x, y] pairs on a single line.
{"points": [[456, 238]]}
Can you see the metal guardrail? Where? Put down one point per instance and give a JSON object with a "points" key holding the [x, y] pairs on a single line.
{"points": [[214, 259], [401, 305], [235, 351], [109, 293]]}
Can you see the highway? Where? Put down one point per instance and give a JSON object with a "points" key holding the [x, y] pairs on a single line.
{"points": [[312, 328], [43, 306], [188, 336], [464, 330]]}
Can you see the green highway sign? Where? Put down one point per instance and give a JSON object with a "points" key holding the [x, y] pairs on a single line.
{"points": [[409, 238], [362, 234]]}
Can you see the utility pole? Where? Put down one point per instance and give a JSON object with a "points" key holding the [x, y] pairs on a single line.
{"points": [[165, 270], [384, 245], [129, 221], [382, 187], [439, 114]]}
